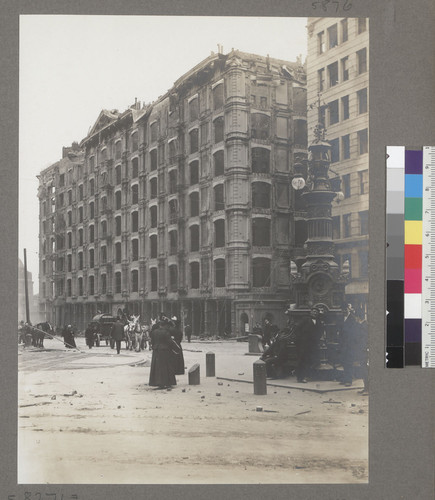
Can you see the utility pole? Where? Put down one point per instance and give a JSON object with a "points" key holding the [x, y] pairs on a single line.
{"points": [[26, 289]]}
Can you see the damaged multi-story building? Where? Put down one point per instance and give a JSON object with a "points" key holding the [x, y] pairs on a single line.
{"points": [[183, 205]]}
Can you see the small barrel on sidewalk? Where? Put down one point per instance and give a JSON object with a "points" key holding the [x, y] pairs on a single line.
{"points": [[260, 385], [210, 364]]}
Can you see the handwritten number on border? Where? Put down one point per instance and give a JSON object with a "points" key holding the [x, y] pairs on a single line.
{"points": [[324, 5]]}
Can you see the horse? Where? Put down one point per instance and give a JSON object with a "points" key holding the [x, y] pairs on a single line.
{"points": [[145, 337], [129, 331], [39, 331]]}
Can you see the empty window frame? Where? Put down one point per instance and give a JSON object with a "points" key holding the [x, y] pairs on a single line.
{"points": [[173, 278], [134, 141], [260, 232], [345, 69], [261, 269], [153, 246], [321, 79], [333, 112], [194, 238], [335, 150], [135, 194], [219, 273], [193, 136], [219, 197], [363, 141], [153, 159], [345, 107], [218, 162], [134, 168], [260, 160], [260, 195], [153, 277], [154, 131], [219, 233], [260, 126], [153, 188], [91, 258], [135, 222], [118, 253], [134, 250], [135, 280], [118, 150], [332, 74], [173, 211], [362, 60], [194, 173], [218, 96], [173, 181], [118, 196], [321, 42], [194, 275], [218, 129], [194, 204], [118, 287], [332, 36], [118, 174], [362, 100], [173, 242], [153, 216], [118, 225]]}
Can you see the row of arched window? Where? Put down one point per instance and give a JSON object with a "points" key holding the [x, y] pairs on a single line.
{"points": [[261, 277]]}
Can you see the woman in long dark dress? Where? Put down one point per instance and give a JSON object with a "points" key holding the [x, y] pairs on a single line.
{"points": [[162, 373]]}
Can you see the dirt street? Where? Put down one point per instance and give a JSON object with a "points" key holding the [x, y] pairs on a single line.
{"points": [[90, 417]]}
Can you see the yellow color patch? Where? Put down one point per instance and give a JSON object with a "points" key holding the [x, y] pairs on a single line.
{"points": [[413, 232]]}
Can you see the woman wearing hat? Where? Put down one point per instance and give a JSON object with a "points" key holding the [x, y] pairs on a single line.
{"points": [[162, 373]]}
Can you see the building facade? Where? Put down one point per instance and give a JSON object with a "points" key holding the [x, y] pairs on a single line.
{"points": [[183, 205], [337, 96]]}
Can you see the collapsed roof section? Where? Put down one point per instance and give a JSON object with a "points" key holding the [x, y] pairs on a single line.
{"points": [[264, 68]]}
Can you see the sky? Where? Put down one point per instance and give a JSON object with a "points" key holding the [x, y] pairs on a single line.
{"points": [[72, 67]]}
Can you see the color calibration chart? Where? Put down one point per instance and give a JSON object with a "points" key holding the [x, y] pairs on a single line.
{"points": [[410, 257]]}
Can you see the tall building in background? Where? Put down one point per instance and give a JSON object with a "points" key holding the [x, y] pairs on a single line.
{"points": [[183, 205], [337, 95]]}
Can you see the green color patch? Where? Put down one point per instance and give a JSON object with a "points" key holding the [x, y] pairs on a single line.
{"points": [[413, 209]]}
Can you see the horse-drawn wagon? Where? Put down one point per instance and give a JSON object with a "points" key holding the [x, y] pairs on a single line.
{"points": [[101, 327]]}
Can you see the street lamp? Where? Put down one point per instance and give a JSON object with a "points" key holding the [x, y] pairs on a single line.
{"points": [[317, 279]]}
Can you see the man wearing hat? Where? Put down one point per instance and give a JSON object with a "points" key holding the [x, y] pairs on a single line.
{"points": [[117, 333], [308, 334]]}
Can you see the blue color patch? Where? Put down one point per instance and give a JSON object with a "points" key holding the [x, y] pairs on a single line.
{"points": [[413, 186]]}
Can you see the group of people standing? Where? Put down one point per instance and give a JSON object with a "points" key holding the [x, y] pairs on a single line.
{"points": [[303, 336], [167, 359]]}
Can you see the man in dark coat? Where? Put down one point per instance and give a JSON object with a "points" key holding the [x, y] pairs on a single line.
{"points": [[117, 333], [89, 335], [188, 332], [177, 335], [349, 344], [162, 372], [308, 333]]}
